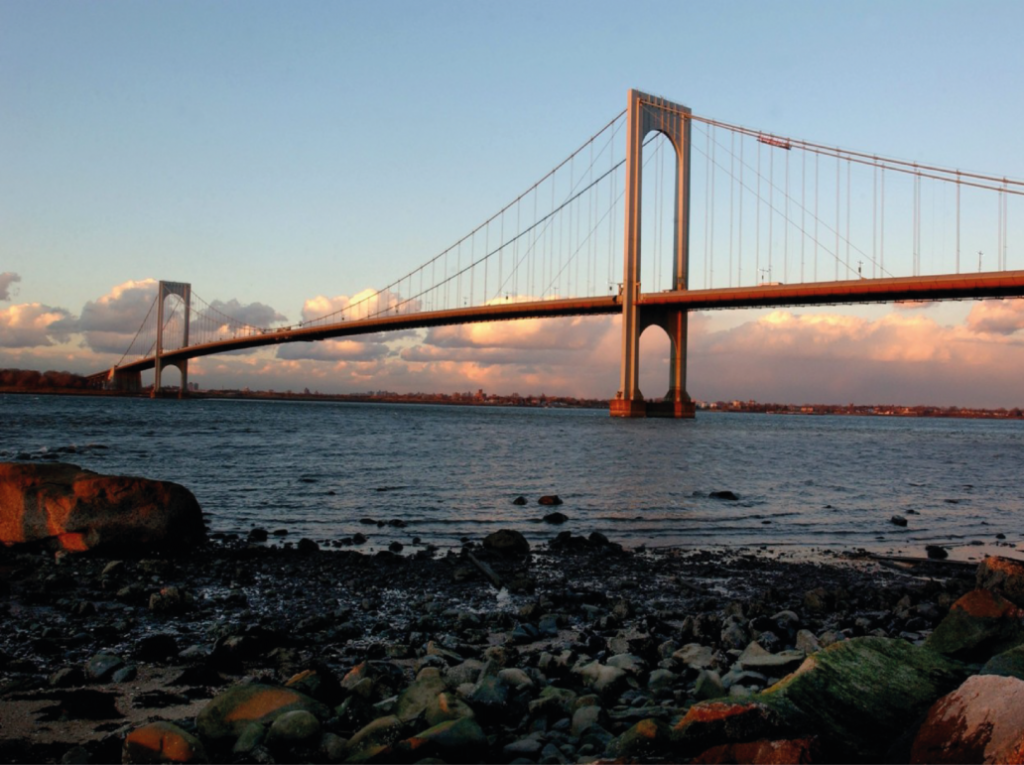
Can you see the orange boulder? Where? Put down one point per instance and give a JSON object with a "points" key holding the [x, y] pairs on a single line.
{"points": [[78, 510]]}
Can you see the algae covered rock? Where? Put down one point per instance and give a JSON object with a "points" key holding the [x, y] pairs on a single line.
{"points": [[855, 696], [1008, 664], [1002, 575], [455, 741], [979, 625], [648, 738], [227, 715], [858, 695], [713, 723]]}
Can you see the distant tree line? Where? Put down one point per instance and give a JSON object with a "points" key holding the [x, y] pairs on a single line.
{"points": [[30, 379]]}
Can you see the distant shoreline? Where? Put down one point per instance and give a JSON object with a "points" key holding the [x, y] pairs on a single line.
{"points": [[551, 402]]}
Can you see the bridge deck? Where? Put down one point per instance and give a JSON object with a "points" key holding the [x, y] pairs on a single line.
{"points": [[925, 288]]}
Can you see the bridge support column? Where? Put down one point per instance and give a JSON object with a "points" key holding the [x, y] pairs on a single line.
{"points": [[184, 291], [644, 114], [125, 382]]}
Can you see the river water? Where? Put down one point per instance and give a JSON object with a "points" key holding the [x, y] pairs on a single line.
{"points": [[318, 468]]}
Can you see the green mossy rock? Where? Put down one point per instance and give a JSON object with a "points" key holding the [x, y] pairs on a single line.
{"points": [[648, 738], [454, 741], [227, 715], [415, 699], [978, 626], [859, 695], [1008, 664]]}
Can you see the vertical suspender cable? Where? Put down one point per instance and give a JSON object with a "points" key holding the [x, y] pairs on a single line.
{"points": [[711, 246], [771, 207], [849, 169], [757, 222], [785, 230], [838, 197], [958, 221], [803, 210], [732, 194], [739, 248], [707, 202], [881, 233], [816, 218]]}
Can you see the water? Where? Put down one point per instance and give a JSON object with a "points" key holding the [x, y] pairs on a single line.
{"points": [[451, 472]]}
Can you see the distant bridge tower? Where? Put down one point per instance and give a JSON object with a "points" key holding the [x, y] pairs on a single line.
{"points": [[185, 292], [647, 113]]}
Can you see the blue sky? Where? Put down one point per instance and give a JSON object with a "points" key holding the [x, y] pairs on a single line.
{"points": [[271, 152]]}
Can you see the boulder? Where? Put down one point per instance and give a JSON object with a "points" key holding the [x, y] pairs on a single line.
{"points": [[645, 740], [293, 729], [375, 739], [800, 750], [978, 626], [715, 723], [1002, 575], [226, 716], [423, 692], [981, 721], [860, 694], [857, 696], [454, 741], [1008, 664], [162, 742], [550, 499], [77, 510], [507, 542]]}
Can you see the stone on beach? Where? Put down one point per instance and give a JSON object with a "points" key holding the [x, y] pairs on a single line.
{"points": [[978, 626], [1002, 575], [507, 542], [226, 716], [981, 721], [162, 742], [78, 510]]}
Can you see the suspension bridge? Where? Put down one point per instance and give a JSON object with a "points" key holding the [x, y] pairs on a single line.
{"points": [[732, 218]]}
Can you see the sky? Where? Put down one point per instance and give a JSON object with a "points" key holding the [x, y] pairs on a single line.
{"points": [[288, 156]]}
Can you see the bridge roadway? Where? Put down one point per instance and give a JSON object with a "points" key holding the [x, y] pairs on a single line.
{"points": [[919, 288]]}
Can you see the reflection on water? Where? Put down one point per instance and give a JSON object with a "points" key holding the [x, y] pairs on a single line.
{"points": [[318, 469]]}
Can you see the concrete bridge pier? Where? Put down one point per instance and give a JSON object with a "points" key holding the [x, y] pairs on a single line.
{"points": [[125, 382], [644, 114], [159, 365]]}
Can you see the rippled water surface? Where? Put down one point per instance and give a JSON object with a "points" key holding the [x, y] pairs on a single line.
{"points": [[451, 472]]}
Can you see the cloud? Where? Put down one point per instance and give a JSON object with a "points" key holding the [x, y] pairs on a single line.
{"points": [[253, 314], [366, 303], [6, 279], [999, 317], [571, 333], [121, 311], [830, 358], [31, 325], [333, 350]]}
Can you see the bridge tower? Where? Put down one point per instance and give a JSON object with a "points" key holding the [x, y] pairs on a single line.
{"points": [[164, 291], [644, 114]]}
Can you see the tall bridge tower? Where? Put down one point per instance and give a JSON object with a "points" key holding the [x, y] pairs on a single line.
{"points": [[184, 291], [648, 113]]}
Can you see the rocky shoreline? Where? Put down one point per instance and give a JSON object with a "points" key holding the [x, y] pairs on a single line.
{"points": [[577, 652]]}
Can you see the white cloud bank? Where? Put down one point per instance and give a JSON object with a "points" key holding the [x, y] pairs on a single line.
{"points": [[903, 356]]}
